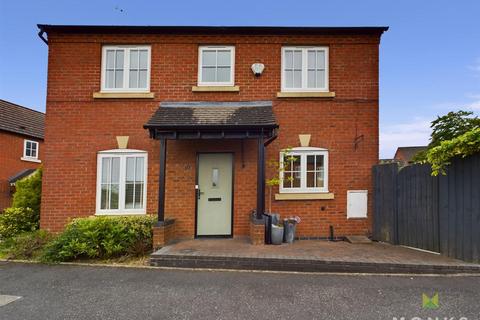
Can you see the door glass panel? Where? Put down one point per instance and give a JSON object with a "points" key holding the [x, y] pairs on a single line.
{"points": [[215, 177]]}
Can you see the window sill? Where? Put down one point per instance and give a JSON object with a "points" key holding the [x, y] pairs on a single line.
{"points": [[120, 214], [215, 88], [123, 95], [284, 94], [31, 160], [305, 196]]}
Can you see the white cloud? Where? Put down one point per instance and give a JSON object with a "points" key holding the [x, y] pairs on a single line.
{"points": [[414, 133]]}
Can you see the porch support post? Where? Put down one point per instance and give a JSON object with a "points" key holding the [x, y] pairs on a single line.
{"points": [[261, 178], [161, 181]]}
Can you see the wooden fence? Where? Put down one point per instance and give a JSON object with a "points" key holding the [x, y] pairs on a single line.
{"points": [[442, 214]]}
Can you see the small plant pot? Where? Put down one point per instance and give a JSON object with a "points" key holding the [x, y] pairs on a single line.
{"points": [[277, 234]]}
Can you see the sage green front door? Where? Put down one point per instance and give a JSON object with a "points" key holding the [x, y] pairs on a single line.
{"points": [[214, 194]]}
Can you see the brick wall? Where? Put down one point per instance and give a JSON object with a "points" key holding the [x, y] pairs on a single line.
{"points": [[77, 126], [10, 162]]}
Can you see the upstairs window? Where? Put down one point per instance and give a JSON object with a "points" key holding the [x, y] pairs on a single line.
{"points": [[30, 150], [304, 69], [121, 182], [305, 170], [126, 68], [216, 66]]}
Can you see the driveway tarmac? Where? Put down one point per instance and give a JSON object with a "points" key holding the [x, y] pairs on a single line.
{"points": [[84, 292]]}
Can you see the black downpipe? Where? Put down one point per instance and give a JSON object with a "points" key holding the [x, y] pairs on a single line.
{"points": [[332, 236]]}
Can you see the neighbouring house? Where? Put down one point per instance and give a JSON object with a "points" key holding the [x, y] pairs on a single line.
{"points": [[404, 155], [179, 122], [21, 146]]}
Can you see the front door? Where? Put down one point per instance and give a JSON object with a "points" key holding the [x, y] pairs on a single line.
{"points": [[214, 194]]}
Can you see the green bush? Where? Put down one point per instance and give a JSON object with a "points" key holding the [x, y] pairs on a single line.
{"points": [[101, 237], [462, 146], [24, 246], [17, 220], [28, 192]]}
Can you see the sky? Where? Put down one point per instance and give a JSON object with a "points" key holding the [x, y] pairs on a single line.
{"points": [[429, 59]]}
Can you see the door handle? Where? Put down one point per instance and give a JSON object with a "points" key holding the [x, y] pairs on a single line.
{"points": [[199, 193]]}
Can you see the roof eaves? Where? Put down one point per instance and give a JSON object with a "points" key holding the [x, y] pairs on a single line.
{"points": [[123, 29]]}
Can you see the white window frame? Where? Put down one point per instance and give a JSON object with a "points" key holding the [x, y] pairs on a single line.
{"points": [[304, 87], [303, 152], [123, 154], [30, 158], [230, 83], [126, 68]]}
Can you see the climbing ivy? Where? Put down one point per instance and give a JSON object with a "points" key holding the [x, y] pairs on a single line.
{"points": [[462, 146]]}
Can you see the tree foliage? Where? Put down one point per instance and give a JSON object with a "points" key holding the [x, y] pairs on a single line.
{"points": [[28, 192], [448, 127], [462, 146]]}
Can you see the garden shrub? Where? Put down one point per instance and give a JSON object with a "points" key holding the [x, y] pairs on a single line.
{"points": [[28, 192], [17, 220], [25, 245], [101, 237]]}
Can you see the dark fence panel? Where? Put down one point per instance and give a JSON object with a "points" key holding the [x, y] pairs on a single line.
{"points": [[384, 196], [417, 210], [439, 214]]}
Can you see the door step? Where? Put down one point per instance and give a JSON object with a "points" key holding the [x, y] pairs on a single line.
{"points": [[358, 239]]}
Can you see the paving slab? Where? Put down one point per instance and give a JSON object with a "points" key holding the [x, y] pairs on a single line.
{"points": [[306, 255]]}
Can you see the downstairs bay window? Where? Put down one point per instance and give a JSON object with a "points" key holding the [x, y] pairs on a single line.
{"points": [[305, 170], [121, 182]]}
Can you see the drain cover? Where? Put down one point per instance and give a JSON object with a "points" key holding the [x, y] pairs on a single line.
{"points": [[4, 299]]}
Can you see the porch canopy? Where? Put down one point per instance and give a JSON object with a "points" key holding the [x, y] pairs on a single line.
{"points": [[213, 120]]}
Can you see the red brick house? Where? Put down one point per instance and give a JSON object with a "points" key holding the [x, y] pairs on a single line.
{"points": [[180, 122], [405, 155], [21, 146]]}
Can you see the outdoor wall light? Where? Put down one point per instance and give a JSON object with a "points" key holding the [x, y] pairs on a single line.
{"points": [[257, 69]]}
